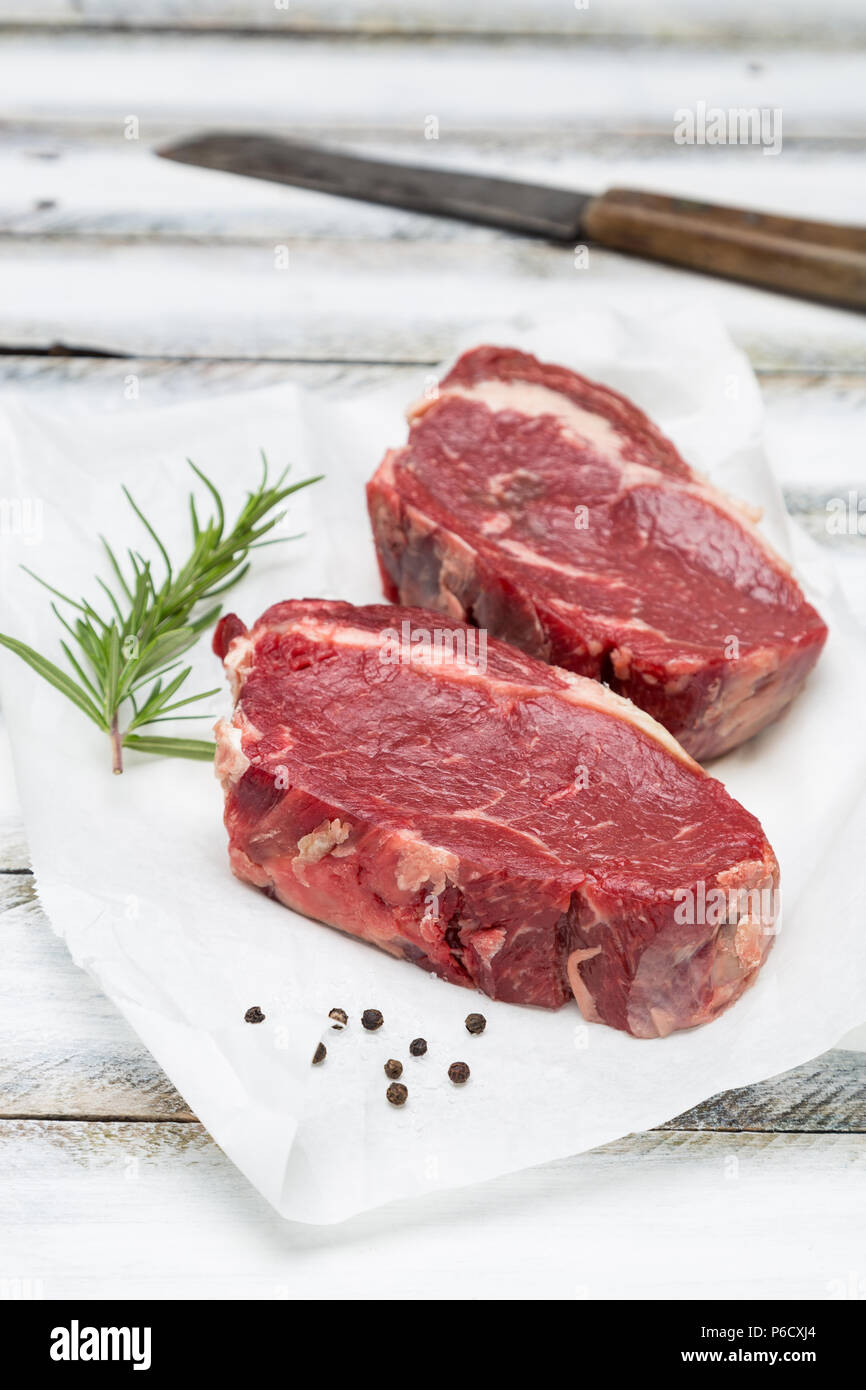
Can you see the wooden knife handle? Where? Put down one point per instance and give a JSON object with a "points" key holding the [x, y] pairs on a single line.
{"points": [[819, 260]]}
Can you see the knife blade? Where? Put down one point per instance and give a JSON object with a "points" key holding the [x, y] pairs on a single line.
{"points": [[811, 259], [519, 207]]}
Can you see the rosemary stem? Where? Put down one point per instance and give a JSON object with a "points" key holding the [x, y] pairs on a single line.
{"points": [[131, 659], [116, 748]]}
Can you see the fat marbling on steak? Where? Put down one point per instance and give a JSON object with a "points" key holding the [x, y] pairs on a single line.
{"points": [[551, 511], [494, 819]]}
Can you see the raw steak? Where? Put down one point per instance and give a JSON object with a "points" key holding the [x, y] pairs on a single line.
{"points": [[551, 511], [498, 821]]}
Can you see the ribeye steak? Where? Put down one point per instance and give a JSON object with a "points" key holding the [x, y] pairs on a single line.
{"points": [[550, 511], [498, 821]]}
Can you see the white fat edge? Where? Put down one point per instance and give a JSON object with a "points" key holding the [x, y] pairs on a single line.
{"points": [[751, 930], [319, 842], [590, 429], [582, 996], [685, 667], [753, 665], [238, 660], [487, 942], [231, 762], [576, 690], [530, 398], [419, 862], [593, 695], [751, 873], [702, 490], [325, 839], [614, 627], [360, 639]]}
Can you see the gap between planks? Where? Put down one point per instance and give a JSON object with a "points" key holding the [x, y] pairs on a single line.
{"points": [[45, 359], [737, 21], [82, 80], [104, 1065], [381, 300], [672, 1127], [824, 1096]]}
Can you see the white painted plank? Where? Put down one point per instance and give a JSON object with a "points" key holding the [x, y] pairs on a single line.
{"points": [[100, 78], [98, 383], [64, 1048], [91, 1210], [800, 20], [814, 422], [827, 1094], [374, 301], [57, 184], [814, 428]]}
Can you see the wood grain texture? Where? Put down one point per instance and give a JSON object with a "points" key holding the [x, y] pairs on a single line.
{"points": [[375, 301], [64, 1049], [814, 421], [60, 182], [816, 260], [97, 80], [827, 1095], [107, 248], [796, 20], [394, 285], [139, 1210]]}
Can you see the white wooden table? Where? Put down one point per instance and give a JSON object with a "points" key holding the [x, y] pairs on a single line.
{"points": [[115, 266]]}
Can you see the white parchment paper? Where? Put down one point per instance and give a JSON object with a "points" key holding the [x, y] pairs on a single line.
{"points": [[133, 870]]}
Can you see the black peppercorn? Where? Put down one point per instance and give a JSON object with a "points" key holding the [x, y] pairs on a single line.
{"points": [[393, 1069], [475, 1023], [418, 1046], [372, 1019], [339, 1018], [397, 1093], [254, 1015], [320, 1054], [459, 1073]]}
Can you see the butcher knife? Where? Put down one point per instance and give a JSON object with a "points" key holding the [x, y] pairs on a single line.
{"points": [[815, 260]]}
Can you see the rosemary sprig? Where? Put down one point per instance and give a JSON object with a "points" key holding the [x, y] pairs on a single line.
{"points": [[126, 662]]}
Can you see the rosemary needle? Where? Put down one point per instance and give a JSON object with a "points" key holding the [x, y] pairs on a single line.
{"points": [[125, 663]]}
